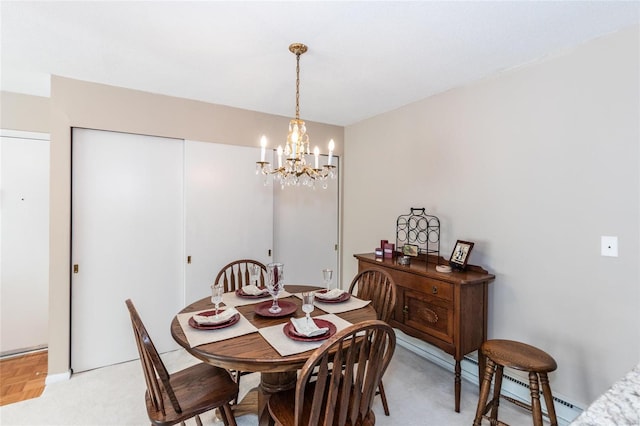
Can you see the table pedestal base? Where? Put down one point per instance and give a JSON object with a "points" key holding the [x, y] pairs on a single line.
{"points": [[271, 383]]}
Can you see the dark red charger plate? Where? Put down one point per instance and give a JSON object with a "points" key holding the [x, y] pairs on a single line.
{"points": [[290, 331], [343, 297], [241, 293], [288, 308], [234, 319]]}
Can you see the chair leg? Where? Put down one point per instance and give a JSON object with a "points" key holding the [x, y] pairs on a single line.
{"points": [[227, 415], [238, 374], [198, 421], [383, 396]]}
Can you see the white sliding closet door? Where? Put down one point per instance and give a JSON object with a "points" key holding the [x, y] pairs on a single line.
{"points": [[306, 232], [127, 240], [229, 212]]}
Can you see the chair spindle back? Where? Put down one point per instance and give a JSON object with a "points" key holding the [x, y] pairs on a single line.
{"points": [[235, 275]]}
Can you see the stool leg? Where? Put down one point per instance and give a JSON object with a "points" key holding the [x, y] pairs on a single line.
{"points": [[548, 398], [535, 399], [484, 391], [497, 387]]}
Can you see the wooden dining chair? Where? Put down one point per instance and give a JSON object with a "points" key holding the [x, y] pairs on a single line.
{"points": [[174, 398], [338, 396], [235, 275], [378, 286]]}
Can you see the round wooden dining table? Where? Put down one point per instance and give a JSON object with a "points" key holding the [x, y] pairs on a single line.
{"points": [[251, 352]]}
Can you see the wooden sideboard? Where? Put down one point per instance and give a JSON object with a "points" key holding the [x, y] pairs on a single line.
{"points": [[448, 310]]}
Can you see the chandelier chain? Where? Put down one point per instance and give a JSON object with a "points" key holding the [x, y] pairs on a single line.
{"points": [[298, 86]]}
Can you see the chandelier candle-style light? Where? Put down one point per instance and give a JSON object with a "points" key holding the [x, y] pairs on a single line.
{"points": [[292, 162]]}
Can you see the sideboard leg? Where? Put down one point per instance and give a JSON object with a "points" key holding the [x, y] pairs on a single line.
{"points": [[458, 385]]}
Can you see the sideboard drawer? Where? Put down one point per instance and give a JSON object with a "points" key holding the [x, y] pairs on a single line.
{"points": [[438, 289], [428, 314], [422, 284]]}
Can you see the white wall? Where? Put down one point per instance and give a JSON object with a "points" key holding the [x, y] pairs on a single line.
{"points": [[534, 166]]}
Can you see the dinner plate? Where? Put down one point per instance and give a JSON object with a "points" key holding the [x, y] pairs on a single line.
{"points": [[342, 298], [234, 319], [290, 331], [241, 293], [288, 308]]}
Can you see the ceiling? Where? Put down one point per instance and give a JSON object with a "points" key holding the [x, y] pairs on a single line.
{"points": [[364, 58]]}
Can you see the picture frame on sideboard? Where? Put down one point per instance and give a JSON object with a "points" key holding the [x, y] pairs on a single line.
{"points": [[460, 254]]}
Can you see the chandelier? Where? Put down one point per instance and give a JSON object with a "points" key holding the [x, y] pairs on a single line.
{"points": [[293, 169]]}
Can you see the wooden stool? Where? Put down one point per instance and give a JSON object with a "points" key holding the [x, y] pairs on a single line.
{"points": [[507, 353]]}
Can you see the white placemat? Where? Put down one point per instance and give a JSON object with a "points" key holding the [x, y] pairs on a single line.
{"points": [[200, 337], [275, 336], [337, 308], [230, 299]]}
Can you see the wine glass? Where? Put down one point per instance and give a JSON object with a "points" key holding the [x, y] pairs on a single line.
{"points": [[254, 274], [307, 303], [327, 276], [216, 296], [275, 272]]}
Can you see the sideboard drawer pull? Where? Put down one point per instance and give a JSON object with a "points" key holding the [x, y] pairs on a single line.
{"points": [[434, 289], [405, 310]]}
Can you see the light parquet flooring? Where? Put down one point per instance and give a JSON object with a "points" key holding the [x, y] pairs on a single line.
{"points": [[22, 377]]}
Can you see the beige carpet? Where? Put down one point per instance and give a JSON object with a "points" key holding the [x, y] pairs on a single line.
{"points": [[420, 393]]}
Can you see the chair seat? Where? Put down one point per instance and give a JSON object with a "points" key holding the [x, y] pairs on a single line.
{"points": [[519, 356], [198, 388], [281, 409]]}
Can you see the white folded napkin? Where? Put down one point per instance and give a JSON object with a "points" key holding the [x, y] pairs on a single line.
{"points": [[307, 328], [253, 290], [331, 294], [223, 315]]}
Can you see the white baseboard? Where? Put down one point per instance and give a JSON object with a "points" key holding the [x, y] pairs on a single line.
{"points": [[60, 377], [512, 386]]}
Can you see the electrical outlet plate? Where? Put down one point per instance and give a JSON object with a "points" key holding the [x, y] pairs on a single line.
{"points": [[609, 246]]}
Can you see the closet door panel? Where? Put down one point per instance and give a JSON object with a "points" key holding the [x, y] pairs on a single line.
{"points": [[127, 240], [306, 231], [229, 211]]}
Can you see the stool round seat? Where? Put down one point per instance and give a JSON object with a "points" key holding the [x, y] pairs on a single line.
{"points": [[519, 356]]}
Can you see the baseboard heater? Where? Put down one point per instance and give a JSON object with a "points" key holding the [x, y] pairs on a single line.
{"points": [[22, 351], [514, 389]]}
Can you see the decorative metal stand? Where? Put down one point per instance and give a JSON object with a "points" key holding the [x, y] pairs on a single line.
{"points": [[419, 229]]}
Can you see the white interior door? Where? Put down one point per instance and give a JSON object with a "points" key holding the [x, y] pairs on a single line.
{"points": [[306, 231], [127, 240], [24, 241], [229, 212]]}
